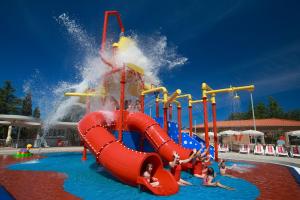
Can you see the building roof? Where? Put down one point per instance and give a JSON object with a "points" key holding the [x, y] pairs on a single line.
{"points": [[27, 121], [19, 120], [273, 122]]}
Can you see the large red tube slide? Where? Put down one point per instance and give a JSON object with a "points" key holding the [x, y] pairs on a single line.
{"points": [[124, 163], [158, 138]]}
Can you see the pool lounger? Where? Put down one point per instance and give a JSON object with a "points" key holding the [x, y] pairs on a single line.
{"points": [[270, 150], [295, 151], [223, 148], [244, 148], [280, 151], [259, 149]]}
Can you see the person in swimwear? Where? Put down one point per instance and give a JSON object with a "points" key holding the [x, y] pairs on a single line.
{"points": [[203, 159], [208, 180], [147, 174], [223, 168], [177, 163]]}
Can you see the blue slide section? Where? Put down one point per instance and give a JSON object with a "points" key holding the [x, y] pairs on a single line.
{"points": [[132, 139], [187, 141]]}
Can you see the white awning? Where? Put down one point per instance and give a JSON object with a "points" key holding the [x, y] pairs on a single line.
{"points": [[253, 133], [5, 123], [294, 133], [229, 132]]}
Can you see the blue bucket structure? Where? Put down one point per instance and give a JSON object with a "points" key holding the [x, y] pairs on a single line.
{"points": [[187, 141]]}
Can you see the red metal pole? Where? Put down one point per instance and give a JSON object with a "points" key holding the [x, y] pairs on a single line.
{"points": [[104, 31], [157, 108], [142, 99], [205, 122], [106, 15], [191, 120], [179, 124], [84, 152], [214, 115], [122, 100], [166, 119], [170, 112], [87, 110]]}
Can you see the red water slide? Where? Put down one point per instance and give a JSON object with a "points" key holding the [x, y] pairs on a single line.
{"points": [[158, 138], [124, 163]]}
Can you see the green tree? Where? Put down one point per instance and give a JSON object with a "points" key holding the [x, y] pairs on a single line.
{"points": [[37, 112], [27, 105], [274, 110], [260, 110], [9, 102], [293, 114]]}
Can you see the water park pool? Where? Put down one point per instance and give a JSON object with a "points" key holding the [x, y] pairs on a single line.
{"points": [[88, 180]]}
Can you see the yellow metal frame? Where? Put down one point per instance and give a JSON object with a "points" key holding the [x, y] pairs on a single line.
{"points": [[174, 101], [188, 96], [166, 99], [83, 94], [206, 90]]}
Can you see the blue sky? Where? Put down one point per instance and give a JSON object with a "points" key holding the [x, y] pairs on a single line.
{"points": [[226, 43]]}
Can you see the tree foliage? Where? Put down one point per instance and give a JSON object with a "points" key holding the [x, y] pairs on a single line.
{"points": [[36, 112], [27, 105], [263, 111], [9, 102]]}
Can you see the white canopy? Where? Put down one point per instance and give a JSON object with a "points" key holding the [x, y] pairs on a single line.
{"points": [[294, 133], [211, 134], [229, 132], [253, 133], [4, 123]]}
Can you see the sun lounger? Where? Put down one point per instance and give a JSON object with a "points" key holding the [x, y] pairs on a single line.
{"points": [[280, 151], [223, 148], [244, 148], [270, 150], [259, 149], [295, 151]]}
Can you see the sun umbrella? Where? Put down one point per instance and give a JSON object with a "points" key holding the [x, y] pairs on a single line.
{"points": [[229, 132], [294, 133], [253, 133]]}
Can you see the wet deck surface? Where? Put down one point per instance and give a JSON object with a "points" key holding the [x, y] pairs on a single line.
{"points": [[274, 181], [32, 184]]}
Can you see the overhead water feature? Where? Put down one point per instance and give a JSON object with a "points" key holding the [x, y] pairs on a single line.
{"points": [[151, 53]]}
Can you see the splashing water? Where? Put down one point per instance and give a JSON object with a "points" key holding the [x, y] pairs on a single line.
{"points": [[150, 53]]}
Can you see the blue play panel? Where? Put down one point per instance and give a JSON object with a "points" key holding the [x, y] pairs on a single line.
{"points": [[187, 141], [132, 139]]}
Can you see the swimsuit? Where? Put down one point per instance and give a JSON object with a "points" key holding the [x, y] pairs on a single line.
{"points": [[205, 180], [176, 171]]}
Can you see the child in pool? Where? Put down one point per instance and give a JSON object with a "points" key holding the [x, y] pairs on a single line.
{"points": [[147, 174], [203, 159], [208, 180], [26, 150], [223, 168], [176, 165]]}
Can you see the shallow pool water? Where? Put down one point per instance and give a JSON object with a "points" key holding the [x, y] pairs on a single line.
{"points": [[88, 180]]}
